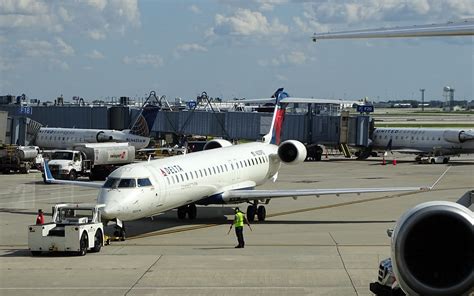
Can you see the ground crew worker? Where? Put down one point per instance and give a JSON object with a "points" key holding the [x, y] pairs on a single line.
{"points": [[40, 217], [238, 223]]}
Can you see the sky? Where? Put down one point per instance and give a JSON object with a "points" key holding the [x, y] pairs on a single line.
{"points": [[99, 49]]}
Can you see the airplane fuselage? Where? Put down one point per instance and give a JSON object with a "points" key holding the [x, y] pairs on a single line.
{"points": [[425, 141], [66, 138], [200, 177]]}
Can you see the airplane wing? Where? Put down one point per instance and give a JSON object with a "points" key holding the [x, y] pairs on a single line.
{"points": [[245, 194], [48, 178], [462, 28]]}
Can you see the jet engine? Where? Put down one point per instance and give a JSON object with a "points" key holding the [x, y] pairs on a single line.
{"points": [[458, 136], [432, 249], [102, 137], [218, 143], [292, 152]]}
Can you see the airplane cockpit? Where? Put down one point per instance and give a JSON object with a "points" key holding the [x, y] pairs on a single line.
{"points": [[114, 183]]}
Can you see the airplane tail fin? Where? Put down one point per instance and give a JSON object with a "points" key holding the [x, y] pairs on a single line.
{"points": [[274, 135], [145, 120]]}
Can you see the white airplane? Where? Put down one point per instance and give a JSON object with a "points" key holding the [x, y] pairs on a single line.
{"points": [[220, 174], [434, 143], [66, 138], [460, 28]]}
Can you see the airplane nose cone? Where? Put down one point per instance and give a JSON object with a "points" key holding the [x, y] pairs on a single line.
{"points": [[111, 211]]}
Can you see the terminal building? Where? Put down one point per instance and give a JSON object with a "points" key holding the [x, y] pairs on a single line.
{"points": [[311, 124]]}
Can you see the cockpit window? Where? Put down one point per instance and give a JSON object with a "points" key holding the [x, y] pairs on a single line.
{"points": [[124, 183], [144, 182], [120, 183]]}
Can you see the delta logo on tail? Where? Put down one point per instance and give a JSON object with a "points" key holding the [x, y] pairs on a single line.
{"points": [[279, 116]]}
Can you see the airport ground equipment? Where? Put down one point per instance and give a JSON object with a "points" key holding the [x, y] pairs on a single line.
{"points": [[431, 251], [20, 159], [75, 228], [93, 160]]}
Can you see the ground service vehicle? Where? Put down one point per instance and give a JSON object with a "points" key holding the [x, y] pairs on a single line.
{"points": [[93, 160], [75, 228], [21, 159]]}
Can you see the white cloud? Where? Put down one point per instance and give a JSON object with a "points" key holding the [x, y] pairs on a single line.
{"points": [[247, 23], [153, 60], [95, 54], [97, 4], [36, 48], [195, 9], [268, 5], [96, 34], [356, 11], [65, 48], [292, 58], [58, 64], [191, 47], [94, 18]]}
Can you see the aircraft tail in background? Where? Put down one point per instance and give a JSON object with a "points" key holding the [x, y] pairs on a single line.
{"points": [[144, 122], [274, 135]]}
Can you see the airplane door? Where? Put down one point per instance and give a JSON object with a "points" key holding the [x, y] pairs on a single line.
{"points": [[160, 188]]}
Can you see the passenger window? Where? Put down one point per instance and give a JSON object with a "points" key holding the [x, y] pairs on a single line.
{"points": [[187, 178], [182, 177], [167, 180], [146, 182], [176, 178], [214, 169], [232, 166], [200, 172]]}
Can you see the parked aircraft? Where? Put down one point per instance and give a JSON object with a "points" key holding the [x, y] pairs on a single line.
{"points": [[66, 138], [437, 144], [220, 174], [460, 28]]}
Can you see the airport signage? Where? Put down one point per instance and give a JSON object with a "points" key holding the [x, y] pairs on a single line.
{"points": [[27, 110], [365, 108]]}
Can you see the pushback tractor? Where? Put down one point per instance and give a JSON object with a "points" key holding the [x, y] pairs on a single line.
{"points": [[75, 228]]}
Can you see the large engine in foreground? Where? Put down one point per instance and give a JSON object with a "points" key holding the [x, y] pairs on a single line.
{"points": [[218, 143], [292, 152], [432, 250]]}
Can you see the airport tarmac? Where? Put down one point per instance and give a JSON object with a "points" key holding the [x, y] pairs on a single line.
{"points": [[310, 246]]}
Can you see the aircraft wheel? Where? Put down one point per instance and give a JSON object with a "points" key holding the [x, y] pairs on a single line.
{"points": [[261, 213], [182, 212], [98, 241], [251, 213], [192, 211], [445, 160], [433, 161], [35, 253], [83, 244]]}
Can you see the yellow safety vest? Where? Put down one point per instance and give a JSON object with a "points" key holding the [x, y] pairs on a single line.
{"points": [[239, 219]]}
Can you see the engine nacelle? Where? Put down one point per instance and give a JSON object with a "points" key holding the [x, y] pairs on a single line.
{"points": [[292, 152], [218, 143], [458, 136], [432, 249], [103, 137]]}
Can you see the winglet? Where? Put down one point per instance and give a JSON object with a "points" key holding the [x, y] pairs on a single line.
{"points": [[437, 181], [48, 177]]}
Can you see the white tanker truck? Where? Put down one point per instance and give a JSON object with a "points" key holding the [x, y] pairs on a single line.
{"points": [[93, 160], [21, 159]]}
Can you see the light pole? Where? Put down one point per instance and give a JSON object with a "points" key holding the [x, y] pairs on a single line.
{"points": [[422, 99]]}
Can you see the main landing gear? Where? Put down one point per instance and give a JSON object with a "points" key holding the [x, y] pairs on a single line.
{"points": [[190, 210], [256, 209]]}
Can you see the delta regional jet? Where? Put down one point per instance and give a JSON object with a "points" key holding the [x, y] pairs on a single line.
{"points": [[65, 138], [220, 174]]}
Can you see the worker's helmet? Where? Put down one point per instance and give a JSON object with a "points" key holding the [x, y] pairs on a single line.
{"points": [[40, 211], [237, 210]]}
